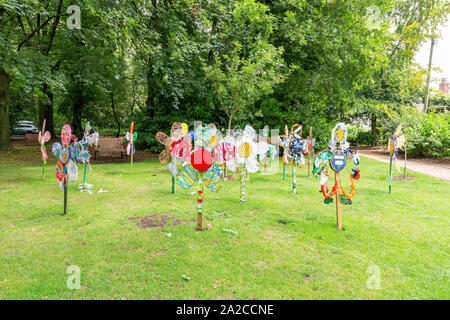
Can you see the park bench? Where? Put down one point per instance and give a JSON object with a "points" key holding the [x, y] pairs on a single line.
{"points": [[31, 139], [109, 145]]}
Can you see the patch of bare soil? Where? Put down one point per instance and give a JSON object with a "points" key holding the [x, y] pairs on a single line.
{"points": [[156, 221], [231, 177]]}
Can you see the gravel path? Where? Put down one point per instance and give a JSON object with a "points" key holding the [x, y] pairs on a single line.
{"points": [[437, 169]]}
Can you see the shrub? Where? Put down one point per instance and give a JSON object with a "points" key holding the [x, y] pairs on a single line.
{"points": [[427, 134], [358, 135]]}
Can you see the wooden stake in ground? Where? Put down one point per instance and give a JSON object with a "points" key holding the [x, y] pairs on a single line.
{"points": [[200, 187], [65, 198], [338, 200]]}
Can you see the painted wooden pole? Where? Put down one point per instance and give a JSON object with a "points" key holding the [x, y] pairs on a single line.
{"points": [[338, 200], [243, 174], [173, 184], [390, 172], [131, 157], [65, 198], [200, 187], [294, 179], [284, 172], [225, 171], [43, 162]]}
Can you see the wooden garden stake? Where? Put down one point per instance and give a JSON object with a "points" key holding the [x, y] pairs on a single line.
{"points": [[338, 200], [200, 202], [65, 198]]}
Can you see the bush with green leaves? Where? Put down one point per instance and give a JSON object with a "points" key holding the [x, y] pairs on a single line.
{"points": [[358, 135], [427, 134]]}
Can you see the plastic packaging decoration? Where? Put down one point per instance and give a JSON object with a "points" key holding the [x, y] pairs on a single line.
{"points": [[201, 168], [246, 152], [336, 157], [131, 138], [43, 137], [90, 138], [265, 149], [395, 144], [295, 149], [66, 155], [177, 146]]}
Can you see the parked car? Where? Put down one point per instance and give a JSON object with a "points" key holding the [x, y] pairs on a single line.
{"points": [[24, 127]]}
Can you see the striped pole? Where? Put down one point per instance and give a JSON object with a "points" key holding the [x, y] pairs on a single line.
{"points": [[200, 202], [294, 179], [243, 174]]}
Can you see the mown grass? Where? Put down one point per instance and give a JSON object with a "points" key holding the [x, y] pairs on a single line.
{"points": [[287, 247]]}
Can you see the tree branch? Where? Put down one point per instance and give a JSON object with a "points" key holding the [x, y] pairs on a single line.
{"points": [[34, 31], [53, 31]]}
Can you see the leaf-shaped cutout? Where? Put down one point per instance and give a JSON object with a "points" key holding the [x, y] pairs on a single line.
{"points": [[164, 156], [47, 136], [162, 138]]}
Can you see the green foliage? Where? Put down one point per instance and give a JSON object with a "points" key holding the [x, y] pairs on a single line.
{"points": [[358, 135], [226, 62], [427, 134]]}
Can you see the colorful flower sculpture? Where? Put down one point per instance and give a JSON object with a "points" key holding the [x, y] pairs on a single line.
{"points": [[131, 137], [336, 156], [44, 136], [395, 144], [246, 155], [266, 151], [65, 152], [90, 138], [201, 169], [295, 149], [224, 153], [177, 146]]}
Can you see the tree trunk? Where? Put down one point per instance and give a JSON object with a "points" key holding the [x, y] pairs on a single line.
{"points": [[5, 139], [115, 116], [373, 126], [149, 102], [77, 111], [45, 110], [229, 122]]}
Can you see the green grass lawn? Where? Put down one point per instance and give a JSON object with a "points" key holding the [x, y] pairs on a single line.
{"points": [[287, 247]]}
